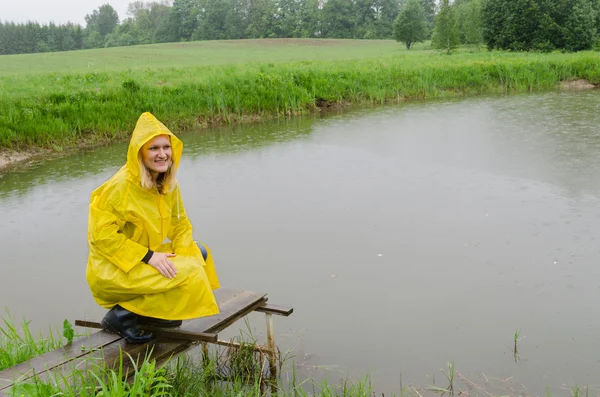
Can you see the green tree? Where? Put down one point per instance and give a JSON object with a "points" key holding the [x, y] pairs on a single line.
{"points": [[120, 39], [167, 30], [524, 25], [211, 20], [411, 24], [596, 7], [339, 19], [445, 34], [287, 18], [493, 19], [221, 20], [54, 37], [364, 19], [429, 9], [261, 19], [77, 34], [580, 28], [32, 37], [147, 18], [93, 40], [236, 22], [309, 18], [468, 20], [29, 34], [183, 19], [103, 20], [549, 33], [385, 13], [126, 34]]}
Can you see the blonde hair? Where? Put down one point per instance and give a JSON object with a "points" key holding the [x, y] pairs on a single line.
{"points": [[165, 182]]}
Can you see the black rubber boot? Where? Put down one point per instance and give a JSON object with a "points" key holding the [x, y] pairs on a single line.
{"points": [[158, 322], [123, 322]]}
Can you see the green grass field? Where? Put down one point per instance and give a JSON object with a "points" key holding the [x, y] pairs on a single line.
{"points": [[86, 97], [198, 53]]}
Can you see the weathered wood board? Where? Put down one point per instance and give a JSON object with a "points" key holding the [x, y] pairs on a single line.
{"points": [[101, 345]]}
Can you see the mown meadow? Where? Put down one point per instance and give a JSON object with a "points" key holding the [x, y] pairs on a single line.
{"points": [[88, 97]]}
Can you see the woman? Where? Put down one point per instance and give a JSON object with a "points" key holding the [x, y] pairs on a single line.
{"points": [[132, 269]]}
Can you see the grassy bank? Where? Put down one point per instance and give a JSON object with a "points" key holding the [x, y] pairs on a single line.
{"points": [[61, 109]]}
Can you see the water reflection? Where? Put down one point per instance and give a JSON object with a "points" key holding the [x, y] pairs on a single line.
{"points": [[82, 164]]}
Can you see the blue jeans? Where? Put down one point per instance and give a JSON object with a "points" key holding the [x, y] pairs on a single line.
{"points": [[204, 251]]}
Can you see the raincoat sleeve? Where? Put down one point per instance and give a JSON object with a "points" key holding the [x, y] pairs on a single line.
{"points": [[182, 240], [181, 232], [106, 221]]}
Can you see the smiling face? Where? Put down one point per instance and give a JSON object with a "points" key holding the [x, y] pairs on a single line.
{"points": [[157, 155]]}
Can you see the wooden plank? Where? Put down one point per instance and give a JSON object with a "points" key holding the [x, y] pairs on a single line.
{"points": [[162, 351], [237, 345], [223, 295], [274, 309], [241, 304], [174, 333], [78, 348], [108, 354], [230, 312], [91, 361], [233, 305], [236, 306]]}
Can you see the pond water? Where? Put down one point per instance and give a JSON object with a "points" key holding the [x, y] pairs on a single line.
{"points": [[404, 236]]}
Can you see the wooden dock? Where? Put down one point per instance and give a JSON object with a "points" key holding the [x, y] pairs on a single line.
{"points": [[85, 352]]}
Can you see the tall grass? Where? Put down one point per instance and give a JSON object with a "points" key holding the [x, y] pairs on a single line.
{"points": [[66, 109], [97, 380], [18, 344], [184, 376]]}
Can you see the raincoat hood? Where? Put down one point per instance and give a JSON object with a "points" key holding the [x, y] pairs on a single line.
{"points": [[146, 128]]}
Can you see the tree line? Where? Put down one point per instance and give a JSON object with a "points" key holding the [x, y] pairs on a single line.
{"points": [[500, 24], [518, 25]]}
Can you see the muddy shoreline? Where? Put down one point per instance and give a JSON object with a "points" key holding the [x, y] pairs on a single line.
{"points": [[10, 158]]}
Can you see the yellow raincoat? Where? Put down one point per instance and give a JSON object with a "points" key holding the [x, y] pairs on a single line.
{"points": [[125, 220]]}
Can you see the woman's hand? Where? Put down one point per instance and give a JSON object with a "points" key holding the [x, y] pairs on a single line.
{"points": [[160, 261]]}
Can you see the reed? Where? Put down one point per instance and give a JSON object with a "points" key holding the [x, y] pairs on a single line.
{"points": [[516, 339], [450, 376]]}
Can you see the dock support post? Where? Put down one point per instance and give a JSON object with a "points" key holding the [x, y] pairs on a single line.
{"points": [[271, 347], [205, 358]]}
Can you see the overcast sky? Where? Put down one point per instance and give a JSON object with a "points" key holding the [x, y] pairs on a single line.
{"points": [[57, 11]]}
